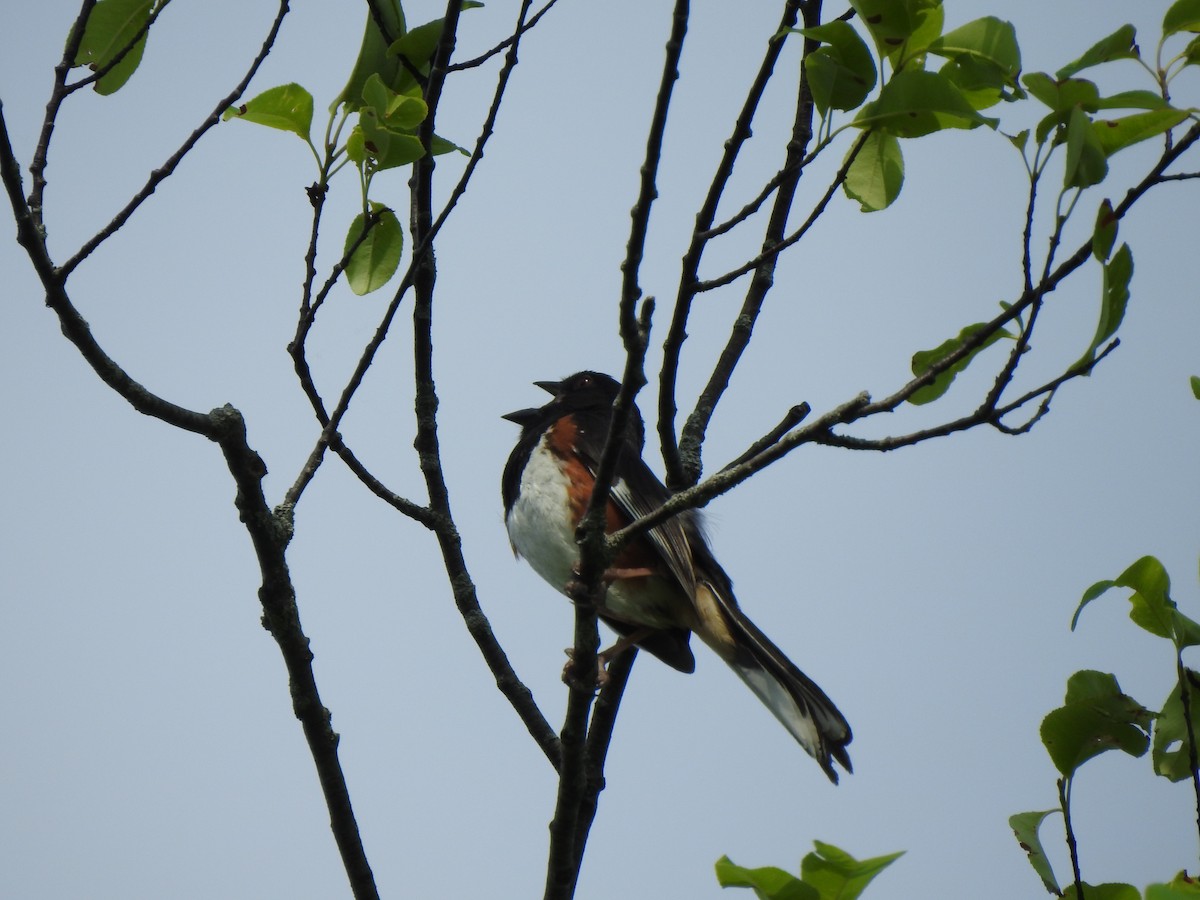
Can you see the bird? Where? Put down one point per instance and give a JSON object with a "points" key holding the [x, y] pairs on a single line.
{"points": [[665, 584]]}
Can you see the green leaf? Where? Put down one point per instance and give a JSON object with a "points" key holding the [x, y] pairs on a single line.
{"points": [[1151, 606], [841, 73], [376, 258], [1104, 233], [388, 147], [1133, 100], [1063, 95], [288, 107], [1114, 297], [1025, 826], [916, 103], [1183, 15], [1195, 381], [924, 360], [1191, 53], [900, 27], [1117, 134], [373, 58], [768, 882], [439, 146], [1121, 44], [1112, 891], [1182, 887], [1170, 752], [111, 28], [981, 84], [839, 876], [418, 45], [989, 42], [400, 112], [1095, 718], [876, 174], [1086, 164]]}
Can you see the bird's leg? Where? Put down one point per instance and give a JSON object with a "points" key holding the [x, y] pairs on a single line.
{"points": [[577, 590], [603, 658]]}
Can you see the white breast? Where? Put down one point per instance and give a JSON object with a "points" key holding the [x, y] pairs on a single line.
{"points": [[539, 523]]}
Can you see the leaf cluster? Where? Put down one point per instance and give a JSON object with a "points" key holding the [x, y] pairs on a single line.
{"points": [[1097, 717], [828, 873]]}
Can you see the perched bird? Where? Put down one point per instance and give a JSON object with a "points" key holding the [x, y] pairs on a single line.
{"points": [[663, 585]]}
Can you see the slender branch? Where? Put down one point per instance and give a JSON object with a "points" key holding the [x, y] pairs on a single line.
{"points": [[731, 476], [631, 292], [790, 420], [159, 175], [269, 533], [748, 210], [981, 416], [31, 237], [783, 244], [692, 437], [507, 42], [677, 468], [862, 406], [59, 93], [122, 53], [424, 276], [599, 739], [562, 863], [1185, 698], [333, 420], [1064, 800]]}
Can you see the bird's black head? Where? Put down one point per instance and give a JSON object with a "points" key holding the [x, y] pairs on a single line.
{"points": [[582, 392]]}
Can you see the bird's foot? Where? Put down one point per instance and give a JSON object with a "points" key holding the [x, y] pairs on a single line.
{"points": [[575, 680]]}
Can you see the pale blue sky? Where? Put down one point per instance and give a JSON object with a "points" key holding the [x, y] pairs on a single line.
{"points": [[150, 749]]}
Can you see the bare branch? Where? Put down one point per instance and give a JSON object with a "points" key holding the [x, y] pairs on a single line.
{"points": [[692, 437], [269, 533], [732, 475], [159, 175], [507, 42], [122, 53], [59, 93], [793, 238], [676, 467]]}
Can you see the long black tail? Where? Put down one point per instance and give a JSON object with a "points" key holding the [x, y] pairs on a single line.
{"points": [[795, 699]]}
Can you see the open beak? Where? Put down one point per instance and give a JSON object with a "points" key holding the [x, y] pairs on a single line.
{"points": [[550, 387], [523, 417]]}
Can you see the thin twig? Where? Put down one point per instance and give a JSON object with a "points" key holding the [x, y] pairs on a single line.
{"points": [[773, 251], [504, 44], [423, 276], [692, 436], [122, 53], [58, 93], [1185, 698], [159, 175], [677, 468], [1064, 800], [269, 533]]}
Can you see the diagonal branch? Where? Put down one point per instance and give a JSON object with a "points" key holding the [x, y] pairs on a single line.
{"points": [[677, 467], [59, 93], [269, 533], [504, 44], [161, 174], [423, 275], [692, 437]]}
